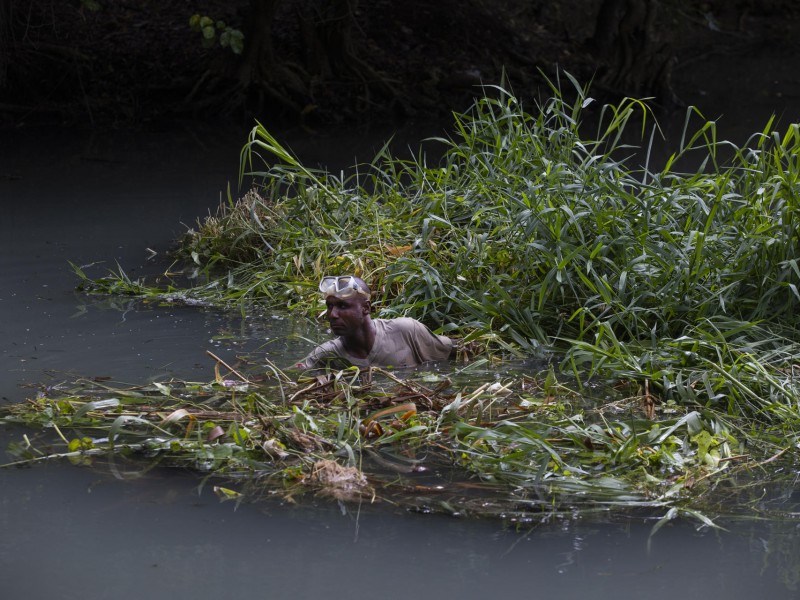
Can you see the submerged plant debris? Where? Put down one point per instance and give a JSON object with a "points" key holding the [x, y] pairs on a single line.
{"points": [[675, 284]]}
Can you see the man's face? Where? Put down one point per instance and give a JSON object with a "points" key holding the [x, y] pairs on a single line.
{"points": [[346, 315]]}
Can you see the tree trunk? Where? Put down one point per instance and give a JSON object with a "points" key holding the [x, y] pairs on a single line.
{"points": [[331, 58], [264, 75], [634, 61], [6, 40], [258, 59], [326, 29]]}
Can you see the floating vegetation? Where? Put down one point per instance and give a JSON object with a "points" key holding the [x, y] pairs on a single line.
{"points": [[526, 449], [534, 239]]}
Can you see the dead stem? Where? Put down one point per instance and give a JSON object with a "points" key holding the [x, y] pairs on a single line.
{"points": [[227, 366]]}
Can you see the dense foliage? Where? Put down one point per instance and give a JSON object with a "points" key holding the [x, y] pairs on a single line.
{"points": [[533, 235], [677, 289], [527, 449]]}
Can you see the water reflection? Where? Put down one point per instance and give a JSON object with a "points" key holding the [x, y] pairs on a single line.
{"points": [[166, 537]]}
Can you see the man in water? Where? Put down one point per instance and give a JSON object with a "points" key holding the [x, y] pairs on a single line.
{"points": [[363, 341]]}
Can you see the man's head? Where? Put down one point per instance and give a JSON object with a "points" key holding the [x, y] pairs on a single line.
{"points": [[348, 306]]}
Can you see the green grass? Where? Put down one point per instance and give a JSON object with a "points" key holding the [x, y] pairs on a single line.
{"points": [[534, 237]]}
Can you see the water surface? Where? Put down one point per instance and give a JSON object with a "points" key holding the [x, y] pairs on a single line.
{"points": [[74, 532]]}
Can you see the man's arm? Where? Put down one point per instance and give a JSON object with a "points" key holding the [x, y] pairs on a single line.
{"points": [[324, 355], [428, 345]]}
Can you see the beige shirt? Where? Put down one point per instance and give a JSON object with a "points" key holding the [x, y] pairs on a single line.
{"points": [[402, 342]]}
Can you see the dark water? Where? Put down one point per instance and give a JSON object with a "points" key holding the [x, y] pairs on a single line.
{"points": [[70, 532]]}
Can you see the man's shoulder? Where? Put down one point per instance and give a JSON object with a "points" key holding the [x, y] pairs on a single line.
{"points": [[399, 324], [401, 321], [413, 337]]}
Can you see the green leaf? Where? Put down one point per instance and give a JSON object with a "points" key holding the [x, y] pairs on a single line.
{"points": [[96, 405], [236, 41]]}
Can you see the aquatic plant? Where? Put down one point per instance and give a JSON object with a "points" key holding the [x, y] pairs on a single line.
{"points": [[526, 449], [532, 236], [538, 235]]}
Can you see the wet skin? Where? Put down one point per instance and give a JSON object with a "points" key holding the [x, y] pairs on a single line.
{"points": [[349, 319]]}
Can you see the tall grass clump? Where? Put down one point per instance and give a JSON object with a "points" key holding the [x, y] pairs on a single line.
{"points": [[545, 232]]}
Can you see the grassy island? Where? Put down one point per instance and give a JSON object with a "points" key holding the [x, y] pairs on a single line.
{"points": [[661, 300]]}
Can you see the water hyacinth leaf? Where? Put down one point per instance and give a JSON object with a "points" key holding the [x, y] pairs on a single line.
{"points": [[705, 444], [238, 434], [80, 444]]}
